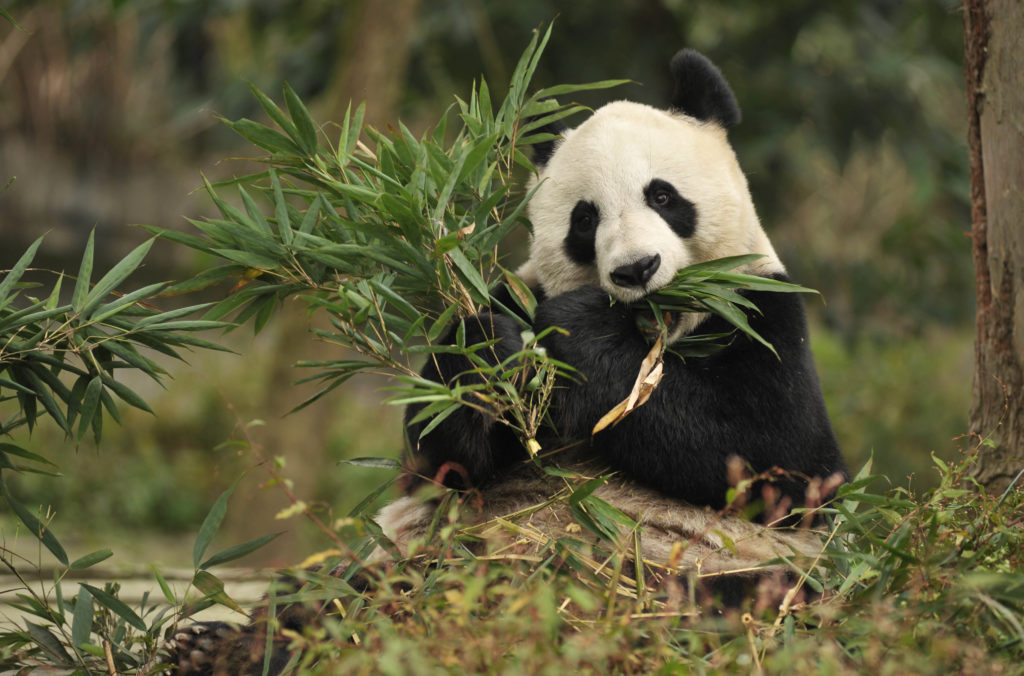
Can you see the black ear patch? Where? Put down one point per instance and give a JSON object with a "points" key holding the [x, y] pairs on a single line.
{"points": [[700, 90], [543, 150]]}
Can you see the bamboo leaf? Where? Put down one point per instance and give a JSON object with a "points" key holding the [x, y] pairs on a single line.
{"points": [[263, 136], [116, 606], [238, 551], [81, 621], [212, 523], [34, 525], [43, 394], [376, 463], [49, 643], [90, 560], [84, 274], [275, 114], [300, 116], [164, 587], [112, 279], [213, 588], [11, 449], [12, 277], [126, 395], [284, 226]]}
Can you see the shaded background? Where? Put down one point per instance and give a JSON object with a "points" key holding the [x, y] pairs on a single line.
{"points": [[852, 139]]}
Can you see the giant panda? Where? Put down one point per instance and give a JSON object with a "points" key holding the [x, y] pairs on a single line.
{"points": [[620, 204]]}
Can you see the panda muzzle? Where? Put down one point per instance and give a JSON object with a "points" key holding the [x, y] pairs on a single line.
{"points": [[637, 273]]}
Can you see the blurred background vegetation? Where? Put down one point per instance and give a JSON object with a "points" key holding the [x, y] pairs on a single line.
{"points": [[853, 141]]}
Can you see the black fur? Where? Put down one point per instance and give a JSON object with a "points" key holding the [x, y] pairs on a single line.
{"points": [[470, 445], [742, 401], [579, 243], [543, 150], [700, 90], [678, 212]]}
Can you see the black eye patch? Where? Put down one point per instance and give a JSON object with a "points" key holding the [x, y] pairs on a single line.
{"points": [[579, 243], [676, 210]]}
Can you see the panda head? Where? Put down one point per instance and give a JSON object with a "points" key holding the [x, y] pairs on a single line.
{"points": [[635, 193]]}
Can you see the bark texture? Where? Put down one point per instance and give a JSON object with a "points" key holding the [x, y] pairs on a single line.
{"points": [[994, 69]]}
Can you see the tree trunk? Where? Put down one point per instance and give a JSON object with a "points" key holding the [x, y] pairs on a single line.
{"points": [[994, 68], [372, 67]]}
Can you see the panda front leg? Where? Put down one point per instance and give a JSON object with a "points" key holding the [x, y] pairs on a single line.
{"points": [[603, 343], [471, 445], [677, 442]]}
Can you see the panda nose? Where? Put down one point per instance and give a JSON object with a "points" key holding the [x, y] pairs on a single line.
{"points": [[637, 273]]}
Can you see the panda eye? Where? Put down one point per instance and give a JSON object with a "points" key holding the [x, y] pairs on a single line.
{"points": [[661, 198], [584, 218]]}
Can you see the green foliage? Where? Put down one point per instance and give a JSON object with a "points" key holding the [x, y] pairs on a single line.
{"points": [[901, 579], [924, 583], [710, 287], [46, 343]]}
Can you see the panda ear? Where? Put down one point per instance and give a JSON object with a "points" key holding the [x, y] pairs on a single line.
{"points": [[543, 150], [700, 90]]}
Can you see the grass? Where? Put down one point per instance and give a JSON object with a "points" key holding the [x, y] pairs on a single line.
{"points": [[928, 584]]}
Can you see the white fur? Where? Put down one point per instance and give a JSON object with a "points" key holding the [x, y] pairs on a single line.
{"points": [[608, 160]]}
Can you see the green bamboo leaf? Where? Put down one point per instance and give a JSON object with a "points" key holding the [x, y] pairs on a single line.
{"points": [[54, 297], [439, 418], [190, 241], [562, 90], [164, 587], [34, 525], [309, 220], [12, 277], [303, 123], [11, 449], [132, 357], [90, 560], [213, 588], [162, 317], [90, 405], [376, 463], [254, 211], [116, 606], [284, 226], [124, 393], [50, 644], [6, 15], [232, 213], [357, 192], [212, 523], [275, 114], [351, 135], [248, 259], [238, 551], [81, 621], [45, 396], [470, 274], [737, 318], [112, 279], [126, 301], [84, 275], [264, 137]]}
